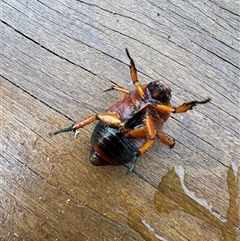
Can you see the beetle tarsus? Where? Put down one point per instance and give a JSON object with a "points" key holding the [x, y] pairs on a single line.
{"points": [[134, 161], [195, 102], [70, 128], [130, 58], [111, 88]]}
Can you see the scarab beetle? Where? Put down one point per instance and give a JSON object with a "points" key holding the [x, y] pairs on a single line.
{"points": [[128, 128]]}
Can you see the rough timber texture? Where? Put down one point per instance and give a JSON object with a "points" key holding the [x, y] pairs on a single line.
{"points": [[57, 58]]}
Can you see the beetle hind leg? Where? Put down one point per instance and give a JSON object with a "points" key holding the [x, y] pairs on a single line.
{"points": [[109, 118], [67, 129], [76, 126]]}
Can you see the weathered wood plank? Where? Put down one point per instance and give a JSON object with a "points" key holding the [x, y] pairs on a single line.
{"points": [[56, 60]]}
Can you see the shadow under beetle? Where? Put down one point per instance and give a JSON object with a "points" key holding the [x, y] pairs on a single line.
{"points": [[128, 128]]}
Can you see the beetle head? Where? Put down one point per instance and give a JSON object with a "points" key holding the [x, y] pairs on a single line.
{"points": [[159, 91]]}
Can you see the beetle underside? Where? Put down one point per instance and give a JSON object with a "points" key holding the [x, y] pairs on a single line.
{"points": [[140, 114]]}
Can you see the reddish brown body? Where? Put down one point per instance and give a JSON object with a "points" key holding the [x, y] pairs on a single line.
{"points": [[138, 115], [132, 102]]}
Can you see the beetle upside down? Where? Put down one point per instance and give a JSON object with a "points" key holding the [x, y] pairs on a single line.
{"points": [[128, 128]]}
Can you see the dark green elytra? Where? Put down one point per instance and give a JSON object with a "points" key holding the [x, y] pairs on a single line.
{"points": [[112, 147]]}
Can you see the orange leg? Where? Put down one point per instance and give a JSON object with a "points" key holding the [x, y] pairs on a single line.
{"points": [[182, 108], [148, 144], [137, 133], [149, 134], [147, 131], [109, 118], [188, 106], [141, 133], [165, 139], [118, 88], [133, 72]]}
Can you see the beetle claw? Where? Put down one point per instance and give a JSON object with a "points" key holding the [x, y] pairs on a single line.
{"points": [[76, 133]]}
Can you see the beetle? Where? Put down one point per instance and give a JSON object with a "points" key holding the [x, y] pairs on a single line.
{"points": [[128, 128]]}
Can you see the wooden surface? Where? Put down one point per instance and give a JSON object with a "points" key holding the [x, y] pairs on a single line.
{"points": [[57, 58]]}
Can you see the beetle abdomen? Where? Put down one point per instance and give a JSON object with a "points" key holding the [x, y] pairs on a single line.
{"points": [[111, 147]]}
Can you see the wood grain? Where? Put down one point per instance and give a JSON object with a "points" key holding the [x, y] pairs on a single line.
{"points": [[57, 58]]}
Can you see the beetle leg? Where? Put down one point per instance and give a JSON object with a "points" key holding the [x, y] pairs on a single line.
{"points": [[137, 133], [134, 161], [109, 118], [147, 131], [165, 139], [165, 108], [141, 133], [188, 106], [182, 108], [76, 126], [118, 88], [150, 134], [133, 72]]}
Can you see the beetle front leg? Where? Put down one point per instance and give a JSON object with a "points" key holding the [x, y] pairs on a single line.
{"points": [[133, 72], [188, 106], [182, 108]]}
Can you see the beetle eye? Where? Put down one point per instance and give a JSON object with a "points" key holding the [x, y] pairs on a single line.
{"points": [[159, 91]]}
